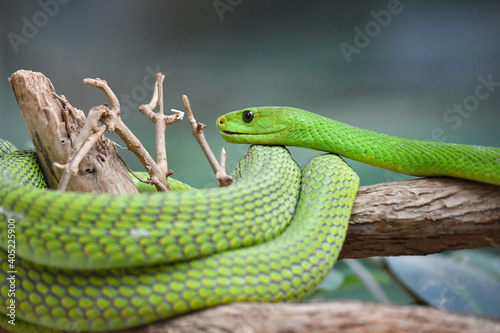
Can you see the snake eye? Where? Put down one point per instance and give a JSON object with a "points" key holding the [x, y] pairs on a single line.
{"points": [[247, 116]]}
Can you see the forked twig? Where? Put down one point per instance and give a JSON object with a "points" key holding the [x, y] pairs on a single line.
{"points": [[102, 119], [161, 122], [197, 129], [71, 168]]}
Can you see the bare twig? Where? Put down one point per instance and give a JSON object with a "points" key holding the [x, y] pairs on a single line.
{"points": [[103, 85], [161, 122], [88, 136], [111, 121], [161, 126], [135, 146], [54, 125], [197, 130], [114, 112], [90, 132], [71, 168], [154, 99], [102, 118], [222, 161]]}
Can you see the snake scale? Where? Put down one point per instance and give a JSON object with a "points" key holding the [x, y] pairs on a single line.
{"points": [[96, 262]]}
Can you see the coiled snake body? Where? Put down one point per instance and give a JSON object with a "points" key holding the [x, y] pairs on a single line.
{"points": [[100, 262]]}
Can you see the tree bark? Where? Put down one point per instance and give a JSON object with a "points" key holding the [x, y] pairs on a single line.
{"points": [[423, 216], [329, 317], [54, 127], [347, 316]]}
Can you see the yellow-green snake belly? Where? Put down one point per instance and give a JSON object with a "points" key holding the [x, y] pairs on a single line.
{"points": [[100, 262]]}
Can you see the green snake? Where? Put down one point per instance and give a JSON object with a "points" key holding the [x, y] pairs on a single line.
{"points": [[98, 262]]}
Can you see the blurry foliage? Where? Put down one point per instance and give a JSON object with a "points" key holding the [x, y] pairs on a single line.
{"points": [[464, 280]]}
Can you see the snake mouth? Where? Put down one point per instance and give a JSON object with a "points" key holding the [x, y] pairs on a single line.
{"points": [[238, 133], [252, 134], [250, 138]]}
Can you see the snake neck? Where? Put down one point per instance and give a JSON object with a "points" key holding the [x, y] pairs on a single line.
{"points": [[321, 133], [325, 134], [411, 157]]}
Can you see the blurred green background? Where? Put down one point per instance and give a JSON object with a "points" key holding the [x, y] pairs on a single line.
{"points": [[418, 69], [400, 79]]}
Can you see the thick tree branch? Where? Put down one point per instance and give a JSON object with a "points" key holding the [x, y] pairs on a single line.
{"points": [[318, 317], [423, 216], [347, 316]]}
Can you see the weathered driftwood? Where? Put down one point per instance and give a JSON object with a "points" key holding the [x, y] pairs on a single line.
{"points": [[54, 128]]}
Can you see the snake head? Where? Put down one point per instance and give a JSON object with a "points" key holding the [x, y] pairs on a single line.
{"points": [[257, 125]]}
